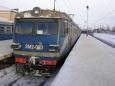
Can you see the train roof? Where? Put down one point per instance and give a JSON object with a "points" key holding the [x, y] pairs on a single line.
{"points": [[43, 13]]}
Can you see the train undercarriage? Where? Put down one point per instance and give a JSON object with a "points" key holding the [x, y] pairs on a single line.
{"points": [[31, 68]]}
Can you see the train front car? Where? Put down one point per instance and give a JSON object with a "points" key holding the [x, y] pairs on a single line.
{"points": [[37, 40], [41, 39]]}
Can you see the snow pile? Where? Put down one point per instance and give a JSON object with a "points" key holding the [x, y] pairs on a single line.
{"points": [[110, 38]]}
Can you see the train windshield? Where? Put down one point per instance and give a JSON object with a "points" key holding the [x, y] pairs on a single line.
{"points": [[24, 28], [37, 27], [46, 28]]}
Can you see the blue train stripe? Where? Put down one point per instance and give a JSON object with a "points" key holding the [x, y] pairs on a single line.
{"points": [[6, 36]]}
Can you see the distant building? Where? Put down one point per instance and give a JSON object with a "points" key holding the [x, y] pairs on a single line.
{"points": [[7, 14]]}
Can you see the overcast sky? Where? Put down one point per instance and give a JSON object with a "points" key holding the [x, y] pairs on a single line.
{"points": [[101, 12]]}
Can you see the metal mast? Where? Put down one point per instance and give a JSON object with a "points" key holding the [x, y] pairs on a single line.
{"points": [[54, 4], [87, 7]]}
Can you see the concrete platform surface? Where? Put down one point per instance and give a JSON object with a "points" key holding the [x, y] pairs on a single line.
{"points": [[90, 63]]}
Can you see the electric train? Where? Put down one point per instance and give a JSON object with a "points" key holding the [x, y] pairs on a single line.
{"points": [[42, 38]]}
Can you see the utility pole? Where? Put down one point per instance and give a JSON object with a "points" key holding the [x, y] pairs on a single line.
{"points": [[54, 4], [87, 7]]}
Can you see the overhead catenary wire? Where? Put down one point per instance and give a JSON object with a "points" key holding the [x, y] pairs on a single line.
{"points": [[70, 5], [106, 7], [66, 5], [58, 5], [107, 13], [4, 7]]}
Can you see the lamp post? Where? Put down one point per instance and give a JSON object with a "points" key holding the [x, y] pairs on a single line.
{"points": [[87, 7]]}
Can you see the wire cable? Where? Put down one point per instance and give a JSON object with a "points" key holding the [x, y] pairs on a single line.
{"points": [[4, 7]]}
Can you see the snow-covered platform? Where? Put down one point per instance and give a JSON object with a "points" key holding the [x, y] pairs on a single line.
{"points": [[90, 63]]}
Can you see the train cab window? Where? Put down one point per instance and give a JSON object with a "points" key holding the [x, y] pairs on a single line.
{"points": [[2, 30], [24, 28], [47, 28], [41, 26]]}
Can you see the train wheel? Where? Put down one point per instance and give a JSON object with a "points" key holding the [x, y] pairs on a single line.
{"points": [[20, 68]]}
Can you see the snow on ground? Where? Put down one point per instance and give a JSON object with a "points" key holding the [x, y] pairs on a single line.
{"points": [[110, 38], [106, 35], [6, 71], [9, 77], [29, 81], [50, 80], [90, 63]]}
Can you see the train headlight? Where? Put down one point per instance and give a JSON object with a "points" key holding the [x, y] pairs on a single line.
{"points": [[15, 46], [35, 11], [53, 48]]}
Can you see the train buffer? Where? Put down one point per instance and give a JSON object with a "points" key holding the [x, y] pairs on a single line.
{"points": [[90, 63]]}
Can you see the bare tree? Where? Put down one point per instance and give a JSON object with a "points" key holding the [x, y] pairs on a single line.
{"points": [[108, 28], [113, 28]]}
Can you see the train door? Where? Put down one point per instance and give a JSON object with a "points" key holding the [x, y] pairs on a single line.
{"points": [[68, 33]]}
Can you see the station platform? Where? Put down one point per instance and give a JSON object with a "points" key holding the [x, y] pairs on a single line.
{"points": [[90, 63]]}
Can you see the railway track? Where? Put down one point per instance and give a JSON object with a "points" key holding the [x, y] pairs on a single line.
{"points": [[2, 66], [104, 41], [9, 77], [28, 81], [6, 62]]}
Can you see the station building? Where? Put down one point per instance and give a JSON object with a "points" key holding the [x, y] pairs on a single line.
{"points": [[7, 14]]}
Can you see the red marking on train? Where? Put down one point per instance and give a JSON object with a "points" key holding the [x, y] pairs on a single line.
{"points": [[49, 62], [20, 60]]}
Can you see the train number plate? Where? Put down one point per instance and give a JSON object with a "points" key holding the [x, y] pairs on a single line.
{"points": [[34, 47]]}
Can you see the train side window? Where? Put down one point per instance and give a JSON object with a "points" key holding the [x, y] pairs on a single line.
{"points": [[2, 30], [66, 28], [62, 29], [9, 30]]}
